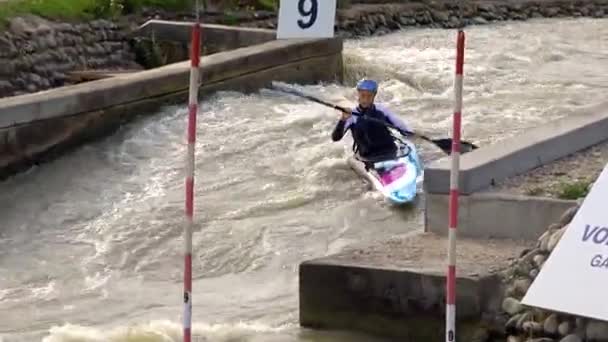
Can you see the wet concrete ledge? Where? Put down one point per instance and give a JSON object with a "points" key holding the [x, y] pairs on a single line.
{"points": [[510, 157], [495, 215], [213, 37], [484, 214], [173, 78], [397, 288], [38, 127]]}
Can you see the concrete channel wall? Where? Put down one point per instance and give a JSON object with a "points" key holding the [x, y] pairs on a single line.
{"points": [[491, 215], [404, 304], [395, 288], [553, 140], [214, 38], [37, 127], [495, 215]]}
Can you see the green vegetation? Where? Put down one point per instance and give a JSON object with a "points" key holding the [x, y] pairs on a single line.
{"points": [[117, 7], [564, 189], [85, 9], [269, 5], [65, 9], [573, 190], [90, 9]]}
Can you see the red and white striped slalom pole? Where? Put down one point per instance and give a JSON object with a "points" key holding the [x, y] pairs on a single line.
{"points": [[192, 111], [453, 206]]}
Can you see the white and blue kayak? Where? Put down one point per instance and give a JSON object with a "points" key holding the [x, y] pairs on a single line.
{"points": [[396, 179]]}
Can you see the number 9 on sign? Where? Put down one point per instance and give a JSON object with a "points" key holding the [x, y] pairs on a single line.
{"points": [[311, 14], [306, 19]]}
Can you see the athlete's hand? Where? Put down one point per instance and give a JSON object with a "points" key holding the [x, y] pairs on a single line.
{"points": [[346, 114]]}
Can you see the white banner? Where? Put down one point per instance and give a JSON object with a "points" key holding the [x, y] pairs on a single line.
{"points": [[575, 276]]}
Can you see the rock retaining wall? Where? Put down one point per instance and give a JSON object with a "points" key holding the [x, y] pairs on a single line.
{"points": [[382, 19], [36, 54], [525, 324], [379, 18]]}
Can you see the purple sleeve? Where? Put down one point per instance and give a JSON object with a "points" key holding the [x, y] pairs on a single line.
{"points": [[394, 119], [349, 122]]}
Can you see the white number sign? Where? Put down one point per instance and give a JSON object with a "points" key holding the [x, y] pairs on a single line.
{"points": [[306, 19]]}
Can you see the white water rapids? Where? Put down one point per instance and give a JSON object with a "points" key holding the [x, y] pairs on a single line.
{"points": [[91, 244]]}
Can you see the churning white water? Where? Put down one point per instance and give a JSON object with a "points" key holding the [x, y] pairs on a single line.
{"points": [[91, 244]]}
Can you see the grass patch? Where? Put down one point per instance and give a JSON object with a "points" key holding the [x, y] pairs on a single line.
{"points": [[60, 9], [573, 190], [171, 5], [268, 5], [91, 9], [229, 19], [85, 9]]}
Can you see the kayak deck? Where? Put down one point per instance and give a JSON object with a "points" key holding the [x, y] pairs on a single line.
{"points": [[396, 179]]}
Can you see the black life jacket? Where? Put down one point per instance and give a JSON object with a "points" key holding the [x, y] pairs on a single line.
{"points": [[372, 138]]}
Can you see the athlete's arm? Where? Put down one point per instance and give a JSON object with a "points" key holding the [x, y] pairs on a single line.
{"points": [[341, 128], [393, 119]]}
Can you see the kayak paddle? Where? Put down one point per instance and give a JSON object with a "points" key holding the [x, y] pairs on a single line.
{"points": [[445, 144]]}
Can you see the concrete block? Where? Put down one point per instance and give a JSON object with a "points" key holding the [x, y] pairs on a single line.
{"points": [[397, 288], [495, 215], [173, 78], [229, 37], [36, 142], [489, 164]]}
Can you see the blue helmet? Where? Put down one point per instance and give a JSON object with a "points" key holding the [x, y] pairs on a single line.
{"points": [[369, 85]]}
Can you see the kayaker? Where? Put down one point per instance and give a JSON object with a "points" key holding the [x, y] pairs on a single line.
{"points": [[371, 139]]}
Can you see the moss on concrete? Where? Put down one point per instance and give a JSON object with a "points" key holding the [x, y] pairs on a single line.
{"points": [[574, 190]]}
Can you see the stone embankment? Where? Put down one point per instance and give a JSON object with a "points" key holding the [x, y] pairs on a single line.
{"points": [[36, 54], [367, 19], [524, 324]]}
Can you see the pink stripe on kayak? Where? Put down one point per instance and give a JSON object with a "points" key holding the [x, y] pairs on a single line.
{"points": [[387, 178]]}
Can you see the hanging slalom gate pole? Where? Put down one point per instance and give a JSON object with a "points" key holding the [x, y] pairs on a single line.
{"points": [[453, 205], [191, 133]]}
